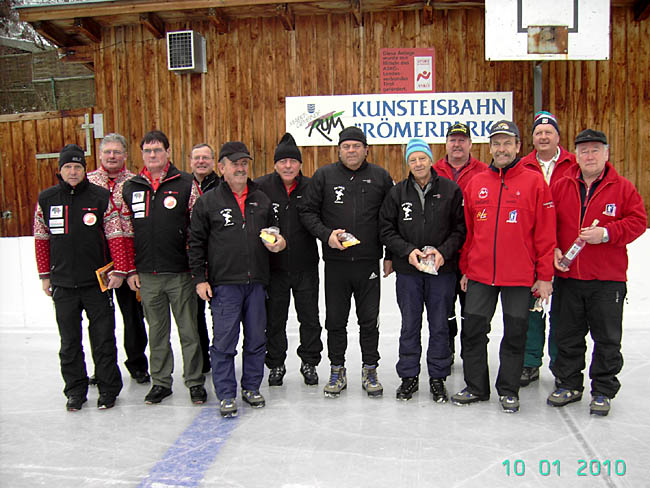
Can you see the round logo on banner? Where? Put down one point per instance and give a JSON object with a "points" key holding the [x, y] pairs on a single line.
{"points": [[169, 202], [90, 219], [483, 193]]}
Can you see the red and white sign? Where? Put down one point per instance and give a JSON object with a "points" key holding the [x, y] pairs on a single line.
{"points": [[407, 70]]}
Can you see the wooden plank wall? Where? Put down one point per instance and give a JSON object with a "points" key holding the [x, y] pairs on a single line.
{"points": [[253, 68], [22, 176]]}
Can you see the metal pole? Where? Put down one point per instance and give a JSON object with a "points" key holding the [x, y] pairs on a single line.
{"points": [[537, 88]]}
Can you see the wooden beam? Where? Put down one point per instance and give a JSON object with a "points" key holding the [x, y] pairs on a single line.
{"points": [[286, 16], [77, 54], [89, 28], [641, 10], [52, 33], [219, 20], [427, 13], [154, 24], [125, 7], [355, 5]]}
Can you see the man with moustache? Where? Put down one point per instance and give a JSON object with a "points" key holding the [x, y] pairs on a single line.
{"points": [[230, 268], [112, 174], [508, 252], [294, 270]]}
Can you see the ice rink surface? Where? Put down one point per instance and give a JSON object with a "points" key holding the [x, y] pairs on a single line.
{"points": [[302, 439]]}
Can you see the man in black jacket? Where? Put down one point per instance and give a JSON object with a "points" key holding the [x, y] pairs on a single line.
{"points": [[422, 219], [293, 270], [344, 198], [75, 226], [230, 268], [202, 165], [157, 207]]}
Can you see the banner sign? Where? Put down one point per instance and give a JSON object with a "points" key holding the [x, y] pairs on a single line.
{"points": [[394, 118], [407, 70]]}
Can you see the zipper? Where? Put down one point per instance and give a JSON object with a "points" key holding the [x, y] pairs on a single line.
{"points": [[496, 228]]}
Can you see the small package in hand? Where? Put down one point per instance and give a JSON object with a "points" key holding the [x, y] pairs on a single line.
{"points": [[428, 262], [270, 234], [348, 239]]}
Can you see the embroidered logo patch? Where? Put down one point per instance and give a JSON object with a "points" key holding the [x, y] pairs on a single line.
{"points": [[483, 193], [407, 209], [170, 202], [512, 217], [56, 211], [481, 215], [90, 219], [610, 210], [338, 192], [138, 196], [226, 213]]}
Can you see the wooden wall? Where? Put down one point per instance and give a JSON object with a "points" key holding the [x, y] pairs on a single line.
{"points": [[253, 68]]}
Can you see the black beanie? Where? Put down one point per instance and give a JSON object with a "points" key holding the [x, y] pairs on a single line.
{"points": [[352, 134], [72, 154], [287, 149]]}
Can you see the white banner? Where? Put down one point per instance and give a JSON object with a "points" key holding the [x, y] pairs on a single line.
{"points": [[394, 118]]}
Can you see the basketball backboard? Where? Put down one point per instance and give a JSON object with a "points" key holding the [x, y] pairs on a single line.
{"points": [[533, 30]]}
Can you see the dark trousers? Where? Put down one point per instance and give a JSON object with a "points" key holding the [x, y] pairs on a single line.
{"points": [[453, 322], [69, 303], [536, 337], [344, 279], [479, 309], [135, 333], [414, 291], [581, 307], [204, 338], [304, 286], [232, 305]]}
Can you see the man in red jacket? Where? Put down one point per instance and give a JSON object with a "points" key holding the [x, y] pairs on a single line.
{"points": [[605, 210], [553, 161], [459, 166], [508, 251]]}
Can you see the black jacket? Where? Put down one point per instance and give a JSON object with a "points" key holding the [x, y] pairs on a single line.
{"points": [[301, 253], [339, 198], [230, 246], [405, 225], [161, 221], [77, 241], [210, 182]]}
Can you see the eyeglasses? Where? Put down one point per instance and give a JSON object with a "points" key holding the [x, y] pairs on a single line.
{"points": [[155, 150], [202, 158], [114, 152]]}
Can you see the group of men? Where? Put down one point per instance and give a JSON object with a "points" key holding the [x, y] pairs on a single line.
{"points": [[454, 228]]}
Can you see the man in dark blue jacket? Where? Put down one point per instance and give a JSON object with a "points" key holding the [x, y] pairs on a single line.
{"points": [[345, 197], [230, 268], [422, 219], [293, 270]]}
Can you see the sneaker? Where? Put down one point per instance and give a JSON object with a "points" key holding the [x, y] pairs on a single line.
{"points": [[253, 398], [438, 390], [276, 375], [198, 394], [141, 377], [563, 396], [337, 382], [106, 400], [92, 381], [228, 408], [308, 372], [510, 404], [157, 394], [528, 375], [407, 388], [369, 381], [465, 397], [600, 405], [75, 403]]}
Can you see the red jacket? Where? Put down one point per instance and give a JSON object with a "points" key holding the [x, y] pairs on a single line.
{"points": [[510, 228], [443, 168], [564, 165], [617, 205]]}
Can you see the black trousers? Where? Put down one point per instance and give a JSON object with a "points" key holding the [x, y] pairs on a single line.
{"points": [[304, 286], [479, 310], [204, 338], [344, 279], [588, 306], [452, 321], [135, 333], [68, 304]]}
